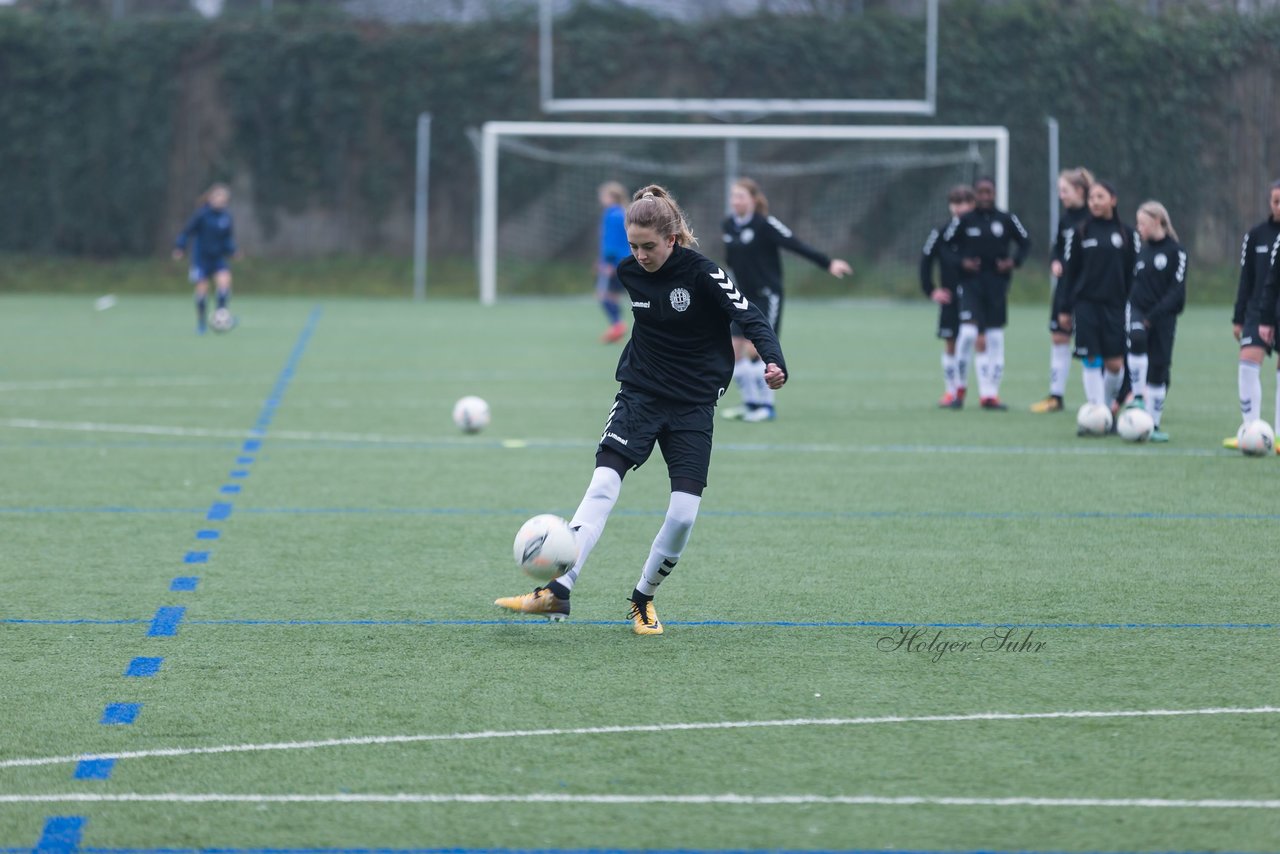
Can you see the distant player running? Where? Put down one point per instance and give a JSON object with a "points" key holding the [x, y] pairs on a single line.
{"points": [[672, 372], [1098, 261], [1151, 315], [212, 230], [1073, 192], [982, 238], [1253, 322], [753, 239], [613, 248], [960, 201]]}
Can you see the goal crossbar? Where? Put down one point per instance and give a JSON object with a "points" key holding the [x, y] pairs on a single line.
{"points": [[493, 132]]}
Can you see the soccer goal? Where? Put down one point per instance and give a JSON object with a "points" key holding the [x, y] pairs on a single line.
{"points": [[869, 194]]}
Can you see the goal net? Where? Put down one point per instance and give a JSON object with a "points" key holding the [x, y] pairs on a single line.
{"points": [[868, 194]]}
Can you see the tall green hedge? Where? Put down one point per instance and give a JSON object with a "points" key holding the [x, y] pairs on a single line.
{"points": [[322, 109]]}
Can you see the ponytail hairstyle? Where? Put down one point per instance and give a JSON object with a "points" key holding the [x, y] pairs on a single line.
{"points": [[756, 194], [1080, 178], [653, 207], [1160, 214]]}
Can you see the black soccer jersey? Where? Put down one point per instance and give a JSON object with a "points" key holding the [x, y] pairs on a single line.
{"points": [[948, 260], [1160, 279], [985, 234], [1255, 264], [680, 347], [1099, 258], [751, 250], [1067, 223]]}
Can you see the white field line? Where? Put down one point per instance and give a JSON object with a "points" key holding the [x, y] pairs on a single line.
{"points": [[626, 800], [1088, 448], [359, 741]]}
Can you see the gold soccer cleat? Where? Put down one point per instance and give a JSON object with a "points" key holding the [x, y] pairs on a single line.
{"points": [[644, 619], [541, 602]]}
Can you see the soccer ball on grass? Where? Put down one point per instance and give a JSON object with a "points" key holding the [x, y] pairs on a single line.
{"points": [[546, 547], [1256, 439], [471, 414], [222, 320], [1135, 424], [1093, 419]]}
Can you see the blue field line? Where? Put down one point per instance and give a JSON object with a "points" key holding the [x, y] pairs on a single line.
{"points": [[781, 624], [93, 850], [222, 511]]}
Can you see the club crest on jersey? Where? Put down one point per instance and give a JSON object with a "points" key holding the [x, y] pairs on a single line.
{"points": [[1161, 261], [1116, 240], [997, 229], [680, 299], [747, 235]]}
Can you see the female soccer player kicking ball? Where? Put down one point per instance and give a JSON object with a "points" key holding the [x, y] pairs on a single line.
{"points": [[213, 231], [672, 370]]}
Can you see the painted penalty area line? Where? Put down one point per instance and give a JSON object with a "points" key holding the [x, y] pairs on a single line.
{"points": [[691, 800], [359, 741]]}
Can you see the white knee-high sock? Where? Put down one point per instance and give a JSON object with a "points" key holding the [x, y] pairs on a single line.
{"points": [[1138, 365], [1112, 380], [1156, 395], [1250, 377], [761, 394], [672, 537], [593, 512], [949, 372], [1059, 368], [965, 342], [995, 359], [1094, 386], [742, 379]]}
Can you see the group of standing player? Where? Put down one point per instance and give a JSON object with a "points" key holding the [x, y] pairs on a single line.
{"points": [[1118, 290]]}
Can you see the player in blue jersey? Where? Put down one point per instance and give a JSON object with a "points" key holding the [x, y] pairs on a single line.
{"points": [[672, 371], [212, 232], [613, 248]]}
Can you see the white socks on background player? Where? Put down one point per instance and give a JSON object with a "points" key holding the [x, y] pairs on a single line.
{"points": [[965, 342], [670, 542], [1155, 401], [991, 364], [749, 375], [589, 520], [1138, 366], [1250, 377], [1059, 369], [950, 377]]}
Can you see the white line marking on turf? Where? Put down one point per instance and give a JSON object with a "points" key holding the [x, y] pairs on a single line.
{"points": [[358, 741], [1087, 449], [691, 800]]}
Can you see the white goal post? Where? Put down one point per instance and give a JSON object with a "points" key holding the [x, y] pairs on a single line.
{"points": [[493, 133]]}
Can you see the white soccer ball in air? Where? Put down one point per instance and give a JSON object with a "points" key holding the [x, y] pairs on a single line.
{"points": [[1093, 419], [1256, 439], [546, 547], [471, 414], [1135, 424], [222, 320]]}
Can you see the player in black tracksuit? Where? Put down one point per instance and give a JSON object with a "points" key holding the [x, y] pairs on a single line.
{"points": [[753, 240], [982, 239], [1253, 322], [1158, 296], [1073, 192], [960, 201], [1099, 258], [672, 371]]}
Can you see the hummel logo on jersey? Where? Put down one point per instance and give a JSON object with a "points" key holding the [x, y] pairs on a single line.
{"points": [[973, 232], [680, 299], [1089, 244], [730, 290], [635, 304], [615, 437]]}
